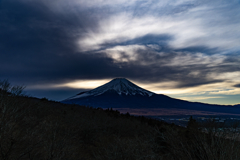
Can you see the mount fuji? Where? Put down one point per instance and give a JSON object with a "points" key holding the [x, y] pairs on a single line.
{"points": [[121, 93]]}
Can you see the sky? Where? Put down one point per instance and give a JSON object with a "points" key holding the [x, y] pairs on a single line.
{"points": [[186, 49]]}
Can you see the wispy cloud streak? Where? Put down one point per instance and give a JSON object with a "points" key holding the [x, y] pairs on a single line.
{"points": [[190, 43]]}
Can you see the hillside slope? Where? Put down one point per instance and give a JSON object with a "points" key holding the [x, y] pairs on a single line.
{"points": [[121, 93], [38, 129]]}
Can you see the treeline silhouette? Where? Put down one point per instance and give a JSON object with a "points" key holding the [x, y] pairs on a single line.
{"points": [[39, 129]]}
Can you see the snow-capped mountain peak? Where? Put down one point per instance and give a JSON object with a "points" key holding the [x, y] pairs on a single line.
{"points": [[121, 86]]}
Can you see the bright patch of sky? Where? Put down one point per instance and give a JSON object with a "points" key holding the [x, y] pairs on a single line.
{"points": [[187, 49], [211, 24]]}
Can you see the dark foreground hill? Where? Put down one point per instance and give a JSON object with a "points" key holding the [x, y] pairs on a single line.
{"points": [[122, 94], [38, 129]]}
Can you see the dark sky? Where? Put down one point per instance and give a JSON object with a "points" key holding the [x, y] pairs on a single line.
{"points": [[186, 49]]}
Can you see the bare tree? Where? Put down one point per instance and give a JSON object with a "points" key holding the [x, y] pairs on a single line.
{"points": [[207, 143], [12, 135]]}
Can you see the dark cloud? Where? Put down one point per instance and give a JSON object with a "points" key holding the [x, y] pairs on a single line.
{"points": [[160, 70], [237, 85], [142, 7], [38, 46], [36, 43], [160, 40], [33, 26], [233, 58], [199, 49]]}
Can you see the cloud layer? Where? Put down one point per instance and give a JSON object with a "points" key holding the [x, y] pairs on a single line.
{"points": [[189, 43]]}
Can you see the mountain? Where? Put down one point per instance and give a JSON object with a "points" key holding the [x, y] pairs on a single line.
{"points": [[118, 93], [121, 93], [120, 86]]}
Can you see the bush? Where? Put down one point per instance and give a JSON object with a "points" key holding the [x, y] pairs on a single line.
{"points": [[32, 128], [207, 143]]}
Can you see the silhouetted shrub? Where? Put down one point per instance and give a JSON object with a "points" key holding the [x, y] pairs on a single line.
{"points": [[32, 128], [44, 99]]}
